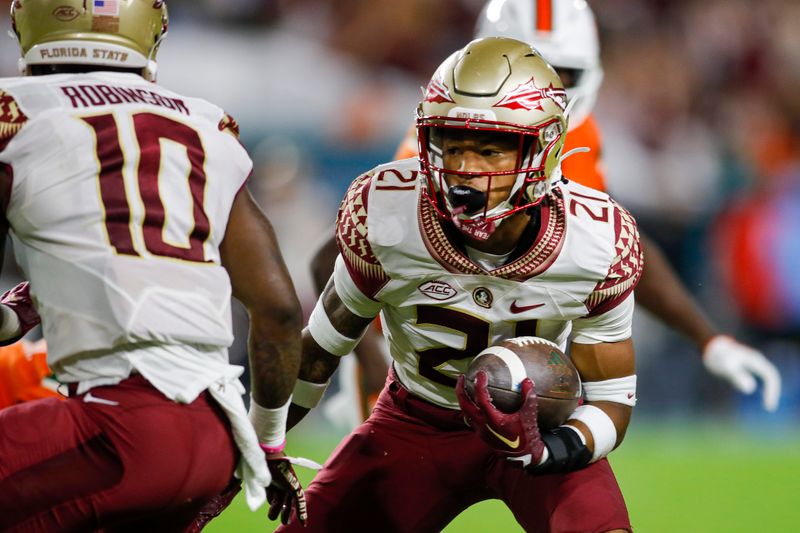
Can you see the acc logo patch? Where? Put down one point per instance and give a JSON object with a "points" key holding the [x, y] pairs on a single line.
{"points": [[65, 13], [438, 290], [483, 297]]}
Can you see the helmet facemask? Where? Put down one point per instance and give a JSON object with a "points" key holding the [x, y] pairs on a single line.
{"points": [[493, 86], [470, 208]]}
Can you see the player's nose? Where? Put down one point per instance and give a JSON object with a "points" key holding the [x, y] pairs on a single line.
{"points": [[472, 161]]}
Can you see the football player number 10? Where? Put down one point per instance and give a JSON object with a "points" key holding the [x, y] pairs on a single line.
{"points": [[150, 129]]}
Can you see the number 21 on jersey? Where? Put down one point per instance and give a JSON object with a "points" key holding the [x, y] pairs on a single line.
{"points": [[149, 131]]}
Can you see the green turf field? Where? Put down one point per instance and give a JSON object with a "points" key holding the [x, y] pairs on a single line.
{"points": [[700, 478]]}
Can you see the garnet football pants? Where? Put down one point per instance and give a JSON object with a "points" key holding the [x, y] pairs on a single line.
{"points": [[118, 458], [413, 467]]}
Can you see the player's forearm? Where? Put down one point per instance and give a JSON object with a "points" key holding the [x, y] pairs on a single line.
{"points": [[618, 414], [663, 294], [316, 368], [274, 348], [333, 331], [317, 365], [608, 376]]}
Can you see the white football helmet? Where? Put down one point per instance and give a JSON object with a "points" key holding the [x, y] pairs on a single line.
{"points": [[564, 32]]}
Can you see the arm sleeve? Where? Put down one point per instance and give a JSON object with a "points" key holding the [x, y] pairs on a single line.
{"points": [[611, 303], [358, 275], [350, 294], [612, 326], [625, 269]]}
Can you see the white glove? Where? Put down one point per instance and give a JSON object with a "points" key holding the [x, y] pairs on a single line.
{"points": [[740, 365]]}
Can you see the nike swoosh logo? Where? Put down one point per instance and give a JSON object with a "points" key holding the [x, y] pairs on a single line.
{"points": [[513, 444], [522, 308], [89, 398]]}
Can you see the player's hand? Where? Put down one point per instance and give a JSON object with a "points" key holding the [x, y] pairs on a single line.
{"points": [[513, 434], [741, 365], [285, 492], [18, 299]]}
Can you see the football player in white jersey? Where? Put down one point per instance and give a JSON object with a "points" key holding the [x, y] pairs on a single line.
{"points": [[128, 210], [485, 242]]}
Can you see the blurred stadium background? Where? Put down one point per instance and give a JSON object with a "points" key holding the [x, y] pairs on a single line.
{"points": [[701, 121]]}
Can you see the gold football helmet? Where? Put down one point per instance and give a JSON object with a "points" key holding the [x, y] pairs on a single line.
{"points": [[115, 33], [502, 85]]}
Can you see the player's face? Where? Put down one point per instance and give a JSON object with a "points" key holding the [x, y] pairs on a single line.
{"points": [[476, 151]]}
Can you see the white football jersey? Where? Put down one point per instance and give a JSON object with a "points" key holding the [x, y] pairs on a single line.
{"points": [[120, 196], [440, 308]]}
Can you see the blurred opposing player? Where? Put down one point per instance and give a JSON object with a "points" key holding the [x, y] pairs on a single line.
{"points": [[565, 33], [128, 212], [484, 242]]}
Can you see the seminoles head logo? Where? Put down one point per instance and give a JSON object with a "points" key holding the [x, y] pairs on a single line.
{"points": [[529, 97], [437, 92], [483, 297]]}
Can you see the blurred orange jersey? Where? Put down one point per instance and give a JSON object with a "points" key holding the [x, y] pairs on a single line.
{"points": [[23, 366], [584, 167]]}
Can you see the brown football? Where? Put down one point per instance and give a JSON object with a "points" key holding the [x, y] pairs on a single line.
{"points": [[555, 378]]}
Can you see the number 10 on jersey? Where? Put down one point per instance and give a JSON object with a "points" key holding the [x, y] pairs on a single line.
{"points": [[149, 130]]}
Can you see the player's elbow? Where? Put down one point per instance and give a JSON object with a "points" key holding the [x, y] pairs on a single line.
{"points": [[278, 313]]}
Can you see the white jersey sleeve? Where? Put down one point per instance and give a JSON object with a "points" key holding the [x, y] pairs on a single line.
{"points": [[612, 326], [611, 303], [358, 275]]}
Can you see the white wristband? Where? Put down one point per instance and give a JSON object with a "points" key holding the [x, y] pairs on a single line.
{"points": [[270, 424], [600, 425], [327, 336], [10, 327], [619, 390], [307, 394]]}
